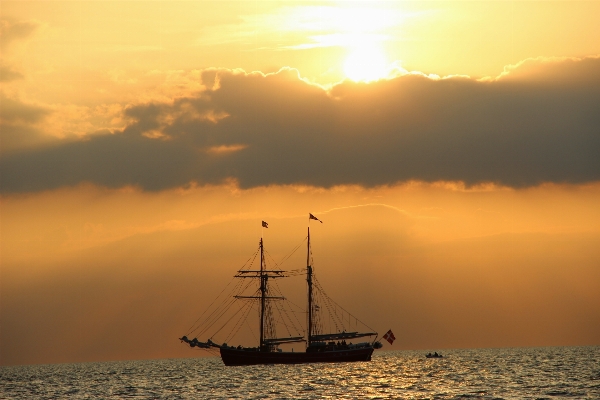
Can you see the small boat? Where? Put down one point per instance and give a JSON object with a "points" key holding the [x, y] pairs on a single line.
{"points": [[320, 345], [434, 355]]}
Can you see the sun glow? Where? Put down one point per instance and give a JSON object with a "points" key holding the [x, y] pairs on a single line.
{"points": [[366, 63]]}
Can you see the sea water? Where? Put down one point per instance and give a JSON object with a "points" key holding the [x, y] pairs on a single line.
{"points": [[517, 373]]}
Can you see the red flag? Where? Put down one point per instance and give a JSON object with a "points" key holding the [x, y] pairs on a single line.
{"points": [[265, 225], [310, 216], [389, 336]]}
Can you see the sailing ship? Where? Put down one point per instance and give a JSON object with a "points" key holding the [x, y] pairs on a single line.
{"points": [[320, 346]]}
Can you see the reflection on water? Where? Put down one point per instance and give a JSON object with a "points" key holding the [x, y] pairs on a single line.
{"points": [[526, 373]]}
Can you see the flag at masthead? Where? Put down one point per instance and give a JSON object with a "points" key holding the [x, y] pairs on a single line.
{"points": [[310, 216]]}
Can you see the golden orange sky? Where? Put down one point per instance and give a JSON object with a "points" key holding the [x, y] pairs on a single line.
{"points": [[451, 149]]}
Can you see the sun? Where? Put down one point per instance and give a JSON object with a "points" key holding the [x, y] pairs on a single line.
{"points": [[366, 64]]}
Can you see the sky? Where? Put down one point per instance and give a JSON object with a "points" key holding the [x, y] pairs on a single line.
{"points": [[450, 149]]}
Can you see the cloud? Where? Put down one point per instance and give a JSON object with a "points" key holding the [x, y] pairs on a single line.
{"points": [[26, 125], [14, 110], [19, 124], [11, 30], [7, 74], [558, 70], [538, 122]]}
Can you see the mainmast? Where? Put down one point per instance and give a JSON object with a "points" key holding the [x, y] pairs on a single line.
{"points": [[309, 282]]}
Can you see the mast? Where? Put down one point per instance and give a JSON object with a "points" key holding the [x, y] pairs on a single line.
{"points": [[264, 274], [263, 290], [309, 282]]}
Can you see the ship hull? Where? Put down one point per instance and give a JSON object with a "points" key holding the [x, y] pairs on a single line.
{"points": [[233, 356]]}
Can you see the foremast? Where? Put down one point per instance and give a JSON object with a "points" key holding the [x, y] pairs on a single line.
{"points": [[263, 294], [263, 274]]}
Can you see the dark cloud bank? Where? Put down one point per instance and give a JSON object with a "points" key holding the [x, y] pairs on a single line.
{"points": [[538, 123]]}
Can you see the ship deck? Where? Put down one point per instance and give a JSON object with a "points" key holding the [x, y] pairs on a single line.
{"points": [[234, 356]]}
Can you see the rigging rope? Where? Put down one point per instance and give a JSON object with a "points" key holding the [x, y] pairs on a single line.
{"points": [[287, 257], [298, 330], [285, 318], [210, 305], [226, 322], [240, 322], [220, 310], [191, 328], [342, 308]]}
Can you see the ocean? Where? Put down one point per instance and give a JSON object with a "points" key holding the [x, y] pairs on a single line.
{"points": [[514, 373]]}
